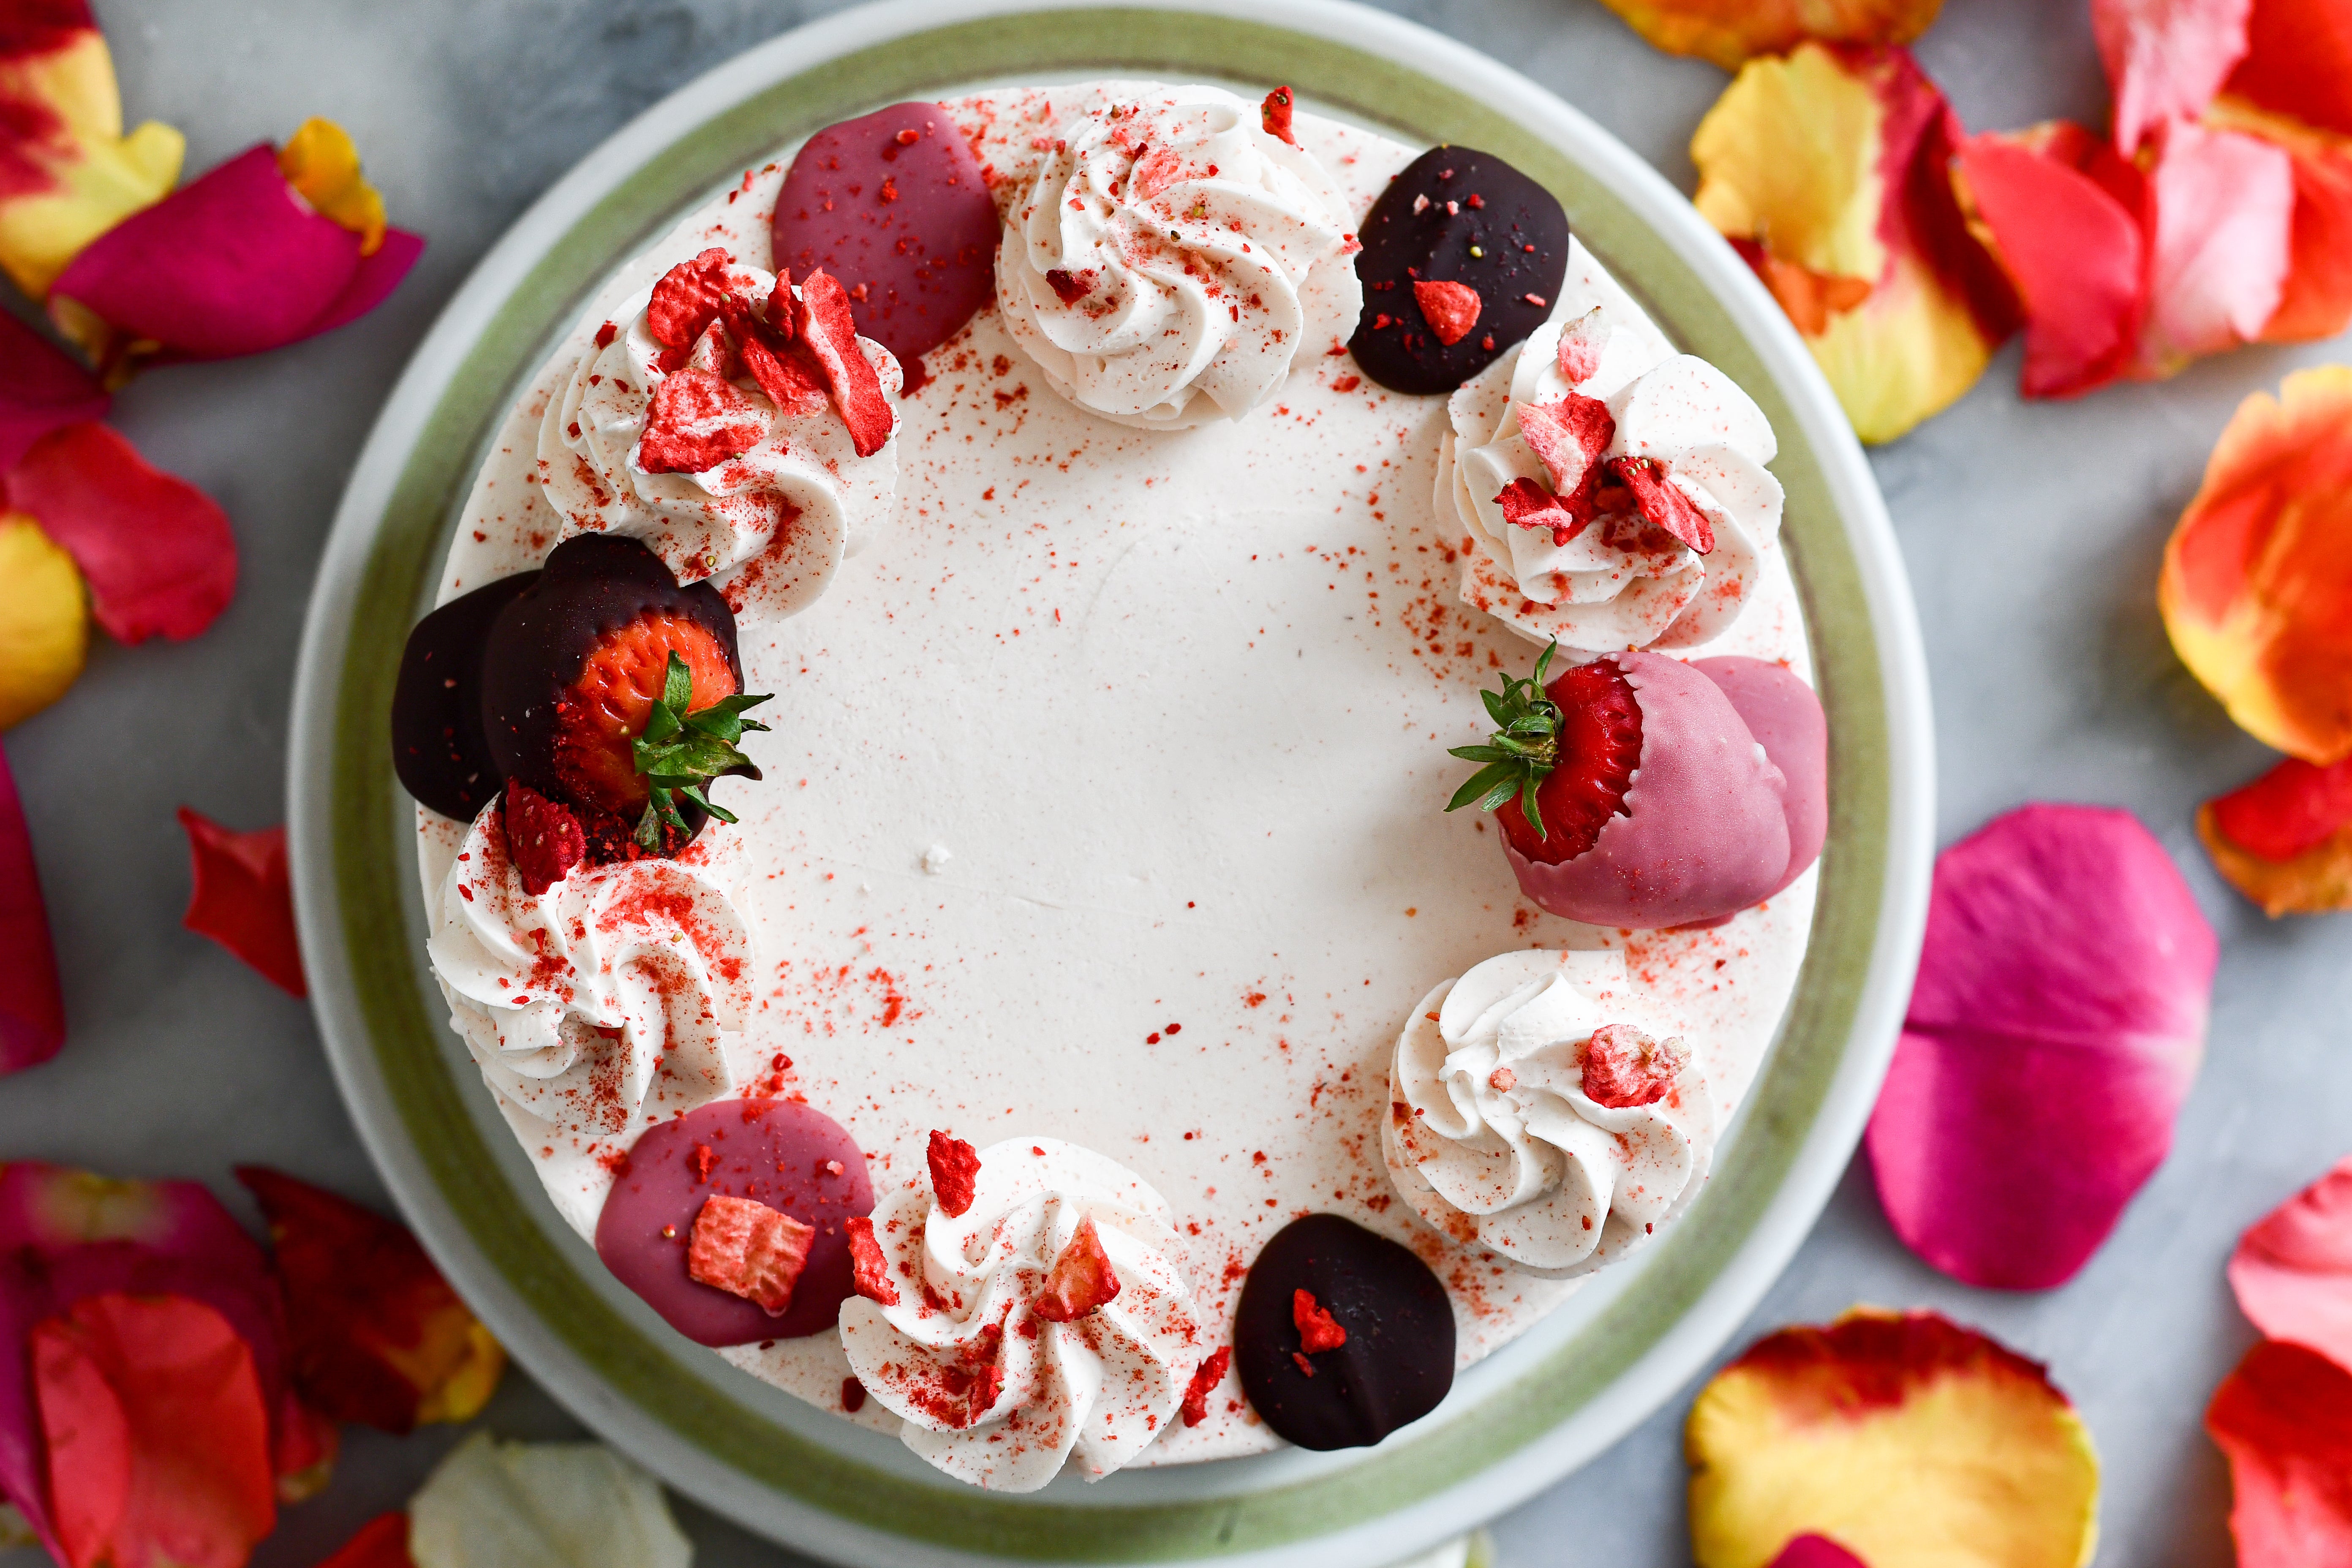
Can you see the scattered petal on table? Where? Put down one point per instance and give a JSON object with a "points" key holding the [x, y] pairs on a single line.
{"points": [[242, 898], [68, 173], [2224, 210], [2292, 1272], [1731, 32], [2316, 300], [41, 389], [1829, 169], [2165, 59], [32, 1004], [2059, 209], [322, 164], [381, 1542], [2298, 62], [541, 1505], [2256, 590], [156, 1434], [1816, 1552], [2282, 840], [2284, 1419], [157, 551], [44, 620], [376, 1334], [2057, 1020], [1895, 1438]]}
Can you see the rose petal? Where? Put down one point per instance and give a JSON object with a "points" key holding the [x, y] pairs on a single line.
{"points": [[2224, 212], [44, 620], [376, 1334], [67, 173], [32, 1004], [242, 899], [2317, 298], [2292, 1271], [1730, 31], [1830, 169], [547, 1505], [2282, 840], [1816, 1552], [2256, 590], [157, 551], [372, 281], [2298, 62], [381, 1542], [322, 164], [2165, 59], [2284, 1419], [1884, 1433], [2071, 247], [41, 389], [2058, 1017]]}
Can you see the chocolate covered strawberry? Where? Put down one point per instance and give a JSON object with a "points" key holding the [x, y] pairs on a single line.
{"points": [[1630, 793]]}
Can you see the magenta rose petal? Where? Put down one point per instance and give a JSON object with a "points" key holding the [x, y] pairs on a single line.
{"points": [[372, 281], [32, 1006], [2292, 1271], [2058, 1018], [41, 390]]}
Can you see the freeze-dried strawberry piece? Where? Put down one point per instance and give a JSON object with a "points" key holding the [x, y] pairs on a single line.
{"points": [[688, 298], [795, 389], [1081, 1278], [1663, 503], [1449, 309], [822, 323], [1580, 343], [750, 1250], [867, 1267], [1205, 1378], [698, 420], [1068, 287], [1526, 504], [544, 840], [1319, 1330], [1625, 1068], [1275, 115], [955, 1169], [1569, 437]]}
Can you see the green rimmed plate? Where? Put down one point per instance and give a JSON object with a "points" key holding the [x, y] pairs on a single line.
{"points": [[1514, 1422]]}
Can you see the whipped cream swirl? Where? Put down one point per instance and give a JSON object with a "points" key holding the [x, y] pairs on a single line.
{"points": [[598, 1005], [778, 518], [1171, 259], [1621, 582], [1494, 1134], [989, 1389]]}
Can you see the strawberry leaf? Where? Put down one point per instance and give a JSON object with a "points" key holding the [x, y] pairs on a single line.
{"points": [[1523, 750], [680, 753]]}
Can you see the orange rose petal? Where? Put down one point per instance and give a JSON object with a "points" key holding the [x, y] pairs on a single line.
{"points": [[2298, 62], [2317, 298], [1732, 32], [2165, 59], [2256, 590], [1892, 1437], [321, 163], [242, 898], [1835, 162], [44, 620], [2284, 1419], [2292, 1271], [2224, 209], [2285, 840], [376, 1334]]}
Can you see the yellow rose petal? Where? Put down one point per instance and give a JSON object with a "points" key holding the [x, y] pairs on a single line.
{"points": [[320, 160], [44, 620], [78, 174]]}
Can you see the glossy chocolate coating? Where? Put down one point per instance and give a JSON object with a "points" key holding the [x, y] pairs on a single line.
{"points": [[770, 1151], [1432, 245], [1397, 1362], [437, 745], [909, 223]]}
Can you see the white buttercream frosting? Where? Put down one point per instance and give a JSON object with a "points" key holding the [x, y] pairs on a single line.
{"points": [[1202, 257], [600, 1003], [793, 505], [1493, 1139], [1619, 583], [990, 1391]]}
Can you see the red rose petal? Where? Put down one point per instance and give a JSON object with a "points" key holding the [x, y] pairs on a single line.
{"points": [[2292, 1271], [1449, 309], [2165, 59], [1663, 503], [41, 389], [955, 1168], [750, 1250], [1080, 1281], [688, 299], [698, 421], [2058, 1017], [822, 323], [2293, 808], [2284, 1419], [381, 1542], [1205, 1378], [32, 1004], [242, 899], [156, 550], [545, 839], [871, 1269], [1319, 1330]]}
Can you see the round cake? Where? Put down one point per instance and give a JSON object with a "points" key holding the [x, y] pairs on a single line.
{"points": [[1109, 773]]}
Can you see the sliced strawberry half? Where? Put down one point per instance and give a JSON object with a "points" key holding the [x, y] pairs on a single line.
{"points": [[822, 323], [602, 713], [1560, 760]]}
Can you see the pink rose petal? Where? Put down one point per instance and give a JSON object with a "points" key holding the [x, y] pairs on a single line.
{"points": [[2292, 1272], [156, 552], [243, 898], [2224, 221], [2165, 59], [2059, 1015], [372, 281], [41, 389], [32, 1004], [1811, 1551]]}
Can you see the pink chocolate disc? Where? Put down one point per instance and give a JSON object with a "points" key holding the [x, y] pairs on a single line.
{"points": [[776, 1152]]}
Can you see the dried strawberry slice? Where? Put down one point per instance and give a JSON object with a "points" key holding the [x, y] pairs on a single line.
{"points": [[1205, 1378], [1080, 1281], [1319, 1330], [822, 323], [698, 420], [1662, 501], [1275, 115], [1625, 1068], [545, 839], [750, 1250], [955, 1172], [688, 299], [1449, 309], [868, 1268], [1526, 504]]}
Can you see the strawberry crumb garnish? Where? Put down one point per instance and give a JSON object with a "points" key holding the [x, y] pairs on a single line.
{"points": [[1559, 766], [1501, 1080], [1319, 1330], [1570, 436], [1306, 1367], [1526, 504], [704, 1159], [1625, 1068], [1579, 347], [605, 334], [1276, 113], [1205, 1378], [688, 299], [869, 1271], [853, 1395], [698, 421], [955, 1172], [1080, 1281], [545, 839], [822, 321], [1068, 287], [1451, 309], [748, 1249], [1663, 503]]}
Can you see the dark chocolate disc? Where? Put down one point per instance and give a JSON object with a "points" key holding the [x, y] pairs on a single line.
{"points": [[775, 1152], [1480, 223], [894, 204], [437, 746], [1397, 1363]]}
